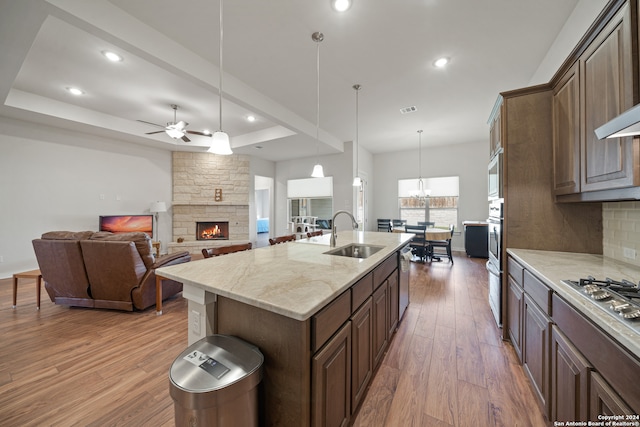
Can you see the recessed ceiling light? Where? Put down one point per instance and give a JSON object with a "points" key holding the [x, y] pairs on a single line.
{"points": [[112, 56], [206, 132], [441, 62], [251, 118], [75, 91], [341, 5]]}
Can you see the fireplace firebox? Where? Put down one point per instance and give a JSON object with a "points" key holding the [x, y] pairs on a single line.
{"points": [[212, 230]]}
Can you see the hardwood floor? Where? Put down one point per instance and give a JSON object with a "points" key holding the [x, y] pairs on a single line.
{"points": [[445, 367]]}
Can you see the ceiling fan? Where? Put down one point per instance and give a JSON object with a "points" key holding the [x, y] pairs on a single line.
{"points": [[175, 129]]}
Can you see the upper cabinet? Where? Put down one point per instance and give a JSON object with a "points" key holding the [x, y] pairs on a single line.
{"points": [[597, 87], [495, 129]]}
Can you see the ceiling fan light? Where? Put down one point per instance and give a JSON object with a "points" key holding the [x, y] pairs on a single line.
{"points": [[174, 133], [318, 172], [220, 144]]}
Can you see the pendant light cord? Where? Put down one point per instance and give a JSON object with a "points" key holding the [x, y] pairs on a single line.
{"points": [[318, 99], [357, 88], [220, 76]]}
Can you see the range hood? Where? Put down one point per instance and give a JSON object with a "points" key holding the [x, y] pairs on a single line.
{"points": [[626, 124]]}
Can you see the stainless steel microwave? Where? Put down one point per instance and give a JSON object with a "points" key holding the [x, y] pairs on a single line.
{"points": [[495, 177]]}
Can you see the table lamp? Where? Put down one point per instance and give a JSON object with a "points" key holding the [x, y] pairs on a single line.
{"points": [[156, 208]]}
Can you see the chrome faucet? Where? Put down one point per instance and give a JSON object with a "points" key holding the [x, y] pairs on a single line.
{"points": [[334, 232]]}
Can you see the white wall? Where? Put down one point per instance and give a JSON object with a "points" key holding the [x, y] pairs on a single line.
{"points": [[468, 161], [52, 179], [583, 15]]}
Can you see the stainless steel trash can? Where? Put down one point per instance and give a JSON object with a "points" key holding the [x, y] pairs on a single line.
{"points": [[214, 382]]}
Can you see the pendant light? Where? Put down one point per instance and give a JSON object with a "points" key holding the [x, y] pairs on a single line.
{"points": [[357, 182], [220, 141], [421, 193], [318, 172]]}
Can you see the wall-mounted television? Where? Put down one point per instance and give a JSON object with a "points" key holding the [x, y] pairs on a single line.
{"points": [[127, 223]]}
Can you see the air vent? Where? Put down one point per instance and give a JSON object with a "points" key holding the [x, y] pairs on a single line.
{"points": [[407, 110]]}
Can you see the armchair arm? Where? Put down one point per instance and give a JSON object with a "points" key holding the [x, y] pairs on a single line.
{"points": [[169, 259]]}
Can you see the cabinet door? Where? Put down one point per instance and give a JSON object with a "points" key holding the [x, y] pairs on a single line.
{"points": [[394, 307], [535, 350], [607, 88], [569, 379], [331, 381], [515, 301], [566, 133], [361, 351], [604, 400], [380, 330]]}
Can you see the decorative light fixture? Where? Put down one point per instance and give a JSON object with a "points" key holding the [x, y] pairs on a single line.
{"points": [[341, 5], [357, 182], [220, 141], [175, 130], [318, 172], [421, 193]]}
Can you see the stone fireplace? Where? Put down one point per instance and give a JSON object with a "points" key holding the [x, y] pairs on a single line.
{"points": [[196, 177]]}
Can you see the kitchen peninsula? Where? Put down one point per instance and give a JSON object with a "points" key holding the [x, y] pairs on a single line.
{"points": [[322, 321]]}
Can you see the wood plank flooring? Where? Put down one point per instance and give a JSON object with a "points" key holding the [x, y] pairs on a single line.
{"points": [[446, 366]]}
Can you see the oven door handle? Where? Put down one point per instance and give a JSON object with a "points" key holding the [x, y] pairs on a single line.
{"points": [[492, 269]]}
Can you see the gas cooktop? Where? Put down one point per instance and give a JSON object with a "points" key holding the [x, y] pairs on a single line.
{"points": [[619, 299]]}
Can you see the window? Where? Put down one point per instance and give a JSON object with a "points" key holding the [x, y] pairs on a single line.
{"points": [[438, 202]]}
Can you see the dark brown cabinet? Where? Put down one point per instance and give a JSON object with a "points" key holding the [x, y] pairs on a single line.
{"points": [[380, 331], [566, 133], [331, 381], [604, 400], [535, 350], [361, 351], [597, 87], [394, 303], [515, 307], [495, 133], [607, 90], [569, 379]]}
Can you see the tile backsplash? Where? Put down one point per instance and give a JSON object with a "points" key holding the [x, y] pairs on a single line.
{"points": [[621, 231]]}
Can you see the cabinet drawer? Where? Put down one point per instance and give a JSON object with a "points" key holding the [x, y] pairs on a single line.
{"points": [[361, 291], [385, 268], [515, 270], [328, 320], [538, 291]]}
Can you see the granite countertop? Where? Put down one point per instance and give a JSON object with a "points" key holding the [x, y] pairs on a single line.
{"points": [[294, 279], [553, 267]]}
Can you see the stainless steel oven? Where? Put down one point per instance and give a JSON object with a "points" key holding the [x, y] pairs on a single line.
{"points": [[495, 263]]}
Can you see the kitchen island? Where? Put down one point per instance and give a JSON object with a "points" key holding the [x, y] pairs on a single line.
{"points": [[322, 321]]}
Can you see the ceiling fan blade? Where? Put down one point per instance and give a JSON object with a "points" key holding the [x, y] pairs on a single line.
{"points": [[185, 139], [151, 133], [149, 123], [195, 132]]}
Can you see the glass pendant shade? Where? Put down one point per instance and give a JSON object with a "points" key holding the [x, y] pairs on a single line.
{"points": [[318, 172], [357, 182], [220, 144]]}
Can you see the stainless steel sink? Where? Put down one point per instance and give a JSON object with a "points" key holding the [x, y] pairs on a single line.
{"points": [[355, 251]]}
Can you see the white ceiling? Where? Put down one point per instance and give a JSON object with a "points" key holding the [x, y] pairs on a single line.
{"points": [[170, 52]]}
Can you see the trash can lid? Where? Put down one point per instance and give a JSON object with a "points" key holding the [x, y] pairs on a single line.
{"points": [[215, 362]]}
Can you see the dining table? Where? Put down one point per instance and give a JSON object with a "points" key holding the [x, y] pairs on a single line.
{"points": [[430, 234]]}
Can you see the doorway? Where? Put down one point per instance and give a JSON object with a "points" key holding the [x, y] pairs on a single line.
{"points": [[263, 187]]}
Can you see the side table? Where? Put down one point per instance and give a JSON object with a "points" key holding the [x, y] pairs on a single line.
{"points": [[32, 274]]}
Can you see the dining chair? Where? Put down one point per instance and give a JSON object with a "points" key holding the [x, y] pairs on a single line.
{"points": [[282, 239], [438, 249], [418, 243], [311, 234], [428, 224], [384, 225], [399, 222], [223, 250]]}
